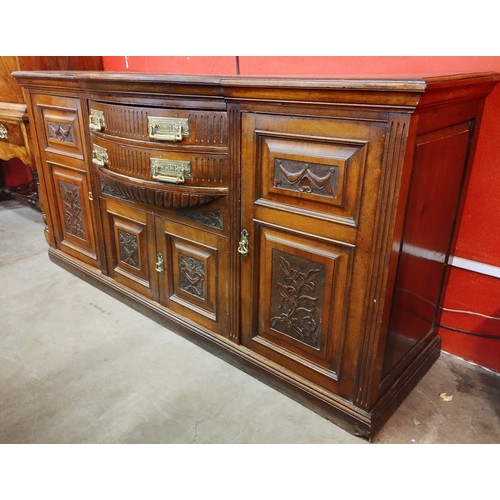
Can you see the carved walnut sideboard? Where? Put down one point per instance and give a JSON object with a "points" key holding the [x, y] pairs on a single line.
{"points": [[298, 227]]}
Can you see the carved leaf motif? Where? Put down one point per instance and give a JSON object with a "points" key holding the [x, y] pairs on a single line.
{"points": [[72, 209], [192, 275], [297, 313], [128, 248]]}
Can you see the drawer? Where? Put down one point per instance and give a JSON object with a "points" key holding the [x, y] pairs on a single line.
{"points": [[149, 164], [158, 125], [165, 179]]}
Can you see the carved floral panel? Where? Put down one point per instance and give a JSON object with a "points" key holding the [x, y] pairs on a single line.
{"points": [[192, 275], [298, 289], [129, 248], [72, 210]]}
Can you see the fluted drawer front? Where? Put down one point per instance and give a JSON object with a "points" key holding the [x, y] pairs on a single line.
{"points": [[199, 128], [205, 169]]}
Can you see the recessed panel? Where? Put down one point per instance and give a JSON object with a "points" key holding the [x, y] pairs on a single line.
{"points": [[195, 282], [129, 238], [311, 175], [60, 125], [76, 233], [301, 299]]}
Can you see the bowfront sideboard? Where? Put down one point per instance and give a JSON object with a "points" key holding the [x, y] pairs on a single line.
{"points": [[300, 227]]}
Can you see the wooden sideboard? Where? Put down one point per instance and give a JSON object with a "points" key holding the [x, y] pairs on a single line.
{"points": [[298, 227]]}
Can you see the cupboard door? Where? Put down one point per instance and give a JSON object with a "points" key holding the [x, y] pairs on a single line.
{"points": [[295, 311], [305, 213], [74, 232], [129, 239], [195, 280]]}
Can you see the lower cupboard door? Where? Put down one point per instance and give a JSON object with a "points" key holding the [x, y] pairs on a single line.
{"points": [[129, 238], [294, 301], [195, 280]]}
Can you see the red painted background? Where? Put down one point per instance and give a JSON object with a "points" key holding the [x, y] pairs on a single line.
{"points": [[472, 300]]}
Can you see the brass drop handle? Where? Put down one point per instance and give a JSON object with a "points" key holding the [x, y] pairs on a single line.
{"points": [[159, 263], [96, 120], [243, 244], [100, 155]]}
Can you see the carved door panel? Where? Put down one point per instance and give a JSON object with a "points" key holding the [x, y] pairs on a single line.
{"points": [[302, 208], [74, 232], [130, 247], [195, 278]]}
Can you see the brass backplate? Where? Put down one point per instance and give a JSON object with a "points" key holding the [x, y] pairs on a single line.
{"points": [[174, 171], [168, 129]]}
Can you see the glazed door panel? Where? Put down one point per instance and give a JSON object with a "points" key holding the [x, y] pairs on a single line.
{"points": [[74, 232], [130, 247]]}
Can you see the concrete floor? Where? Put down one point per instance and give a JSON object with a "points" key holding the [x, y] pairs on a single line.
{"points": [[78, 366]]}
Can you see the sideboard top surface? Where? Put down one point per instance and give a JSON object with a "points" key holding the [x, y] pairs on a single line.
{"points": [[394, 90]]}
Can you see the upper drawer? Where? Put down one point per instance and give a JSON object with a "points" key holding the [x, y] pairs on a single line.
{"points": [[160, 125]]}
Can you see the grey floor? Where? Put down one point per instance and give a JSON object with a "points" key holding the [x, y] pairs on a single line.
{"points": [[77, 366]]}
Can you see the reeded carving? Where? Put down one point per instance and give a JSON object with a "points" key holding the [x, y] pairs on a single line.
{"points": [[61, 132], [128, 245], [297, 297], [192, 275], [107, 189], [306, 177], [207, 128], [164, 198], [72, 210], [210, 218]]}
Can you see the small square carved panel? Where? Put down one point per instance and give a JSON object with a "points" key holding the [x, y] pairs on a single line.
{"points": [[129, 248], [62, 132], [192, 275]]}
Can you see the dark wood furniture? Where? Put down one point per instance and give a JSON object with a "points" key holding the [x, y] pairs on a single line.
{"points": [[14, 136], [300, 226]]}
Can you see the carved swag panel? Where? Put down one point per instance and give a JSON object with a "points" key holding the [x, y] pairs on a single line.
{"points": [[306, 177], [60, 132]]}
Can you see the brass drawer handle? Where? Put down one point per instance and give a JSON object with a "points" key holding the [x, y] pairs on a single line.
{"points": [[171, 171], [99, 155], [96, 120], [168, 129]]}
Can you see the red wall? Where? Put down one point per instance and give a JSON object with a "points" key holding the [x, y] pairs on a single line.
{"points": [[476, 296]]}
